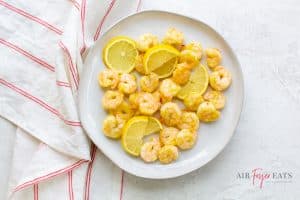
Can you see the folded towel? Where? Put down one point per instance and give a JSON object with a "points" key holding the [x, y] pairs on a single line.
{"points": [[42, 50]]}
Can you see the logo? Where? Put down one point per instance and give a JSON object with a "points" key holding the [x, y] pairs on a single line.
{"points": [[259, 177]]}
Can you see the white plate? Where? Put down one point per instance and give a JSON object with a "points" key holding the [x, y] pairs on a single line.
{"points": [[212, 137]]}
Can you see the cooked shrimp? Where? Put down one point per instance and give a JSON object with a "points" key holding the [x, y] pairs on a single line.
{"points": [[133, 100], [149, 150], [170, 114], [148, 104], [181, 74], [149, 83], [137, 113], [207, 112], [165, 99], [216, 97], [168, 135], [158, 97], [123, 111], [173, 37], [179, 47], [190, 57], [112, 99], [127, 84], [112, 126], [189, 120], [168, 89], [186, 139], [192, 101], [220, 79], [108, 79], [195, 47], [213, 57], [146, 41], [139, 65], [168, 154]]}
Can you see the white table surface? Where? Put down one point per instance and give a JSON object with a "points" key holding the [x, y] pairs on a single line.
{"points": [[265, 35]]}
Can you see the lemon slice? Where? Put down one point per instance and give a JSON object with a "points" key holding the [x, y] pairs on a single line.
{"points": [[120, 54], [197, 83], [134, 131], [161, 59], [153, 126]]}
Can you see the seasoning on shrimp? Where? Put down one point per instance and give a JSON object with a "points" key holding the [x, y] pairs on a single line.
{"points": [[220, 79], [139, 65], [108, 79], [133, 100], [168, 89], [173, 37], [158, 97], [149, 150], [148, 104], [146, 41], [168, 135], [195, 47], [216, 97], [186, 139], [190, 57], [192, 101], [181, 74], [112, 99], [170, 114], [123, 111], [189, 120], [168, 154], [207, 112], [112, 126], [127, 84], [149, 83], [213, 57]]}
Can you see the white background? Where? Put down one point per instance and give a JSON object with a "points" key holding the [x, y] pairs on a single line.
{"points": [[265, 34]]}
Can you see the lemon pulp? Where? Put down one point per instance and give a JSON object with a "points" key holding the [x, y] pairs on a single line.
{"points": [[197, 83], [120, 54], [134, 131], [161, 59]]}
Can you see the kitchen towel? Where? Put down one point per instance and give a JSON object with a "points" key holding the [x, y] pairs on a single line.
{"points": [[42, 50]]}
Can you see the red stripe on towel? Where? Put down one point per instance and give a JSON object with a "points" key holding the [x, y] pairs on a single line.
{"points": [[50, 175], [88, 174], [75, 3], [70, 185], [63, 84], [27, 54], [39, 101], [31, 17], [82, 15], [35, 191], [98, 30], [71, 65], [122, 186], [138, 8]]}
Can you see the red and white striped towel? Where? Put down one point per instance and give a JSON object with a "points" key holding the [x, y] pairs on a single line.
{"points": [[42, 48]]}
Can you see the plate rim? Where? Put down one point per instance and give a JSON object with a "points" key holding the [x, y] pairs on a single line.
{"points": [[82, 94]]}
